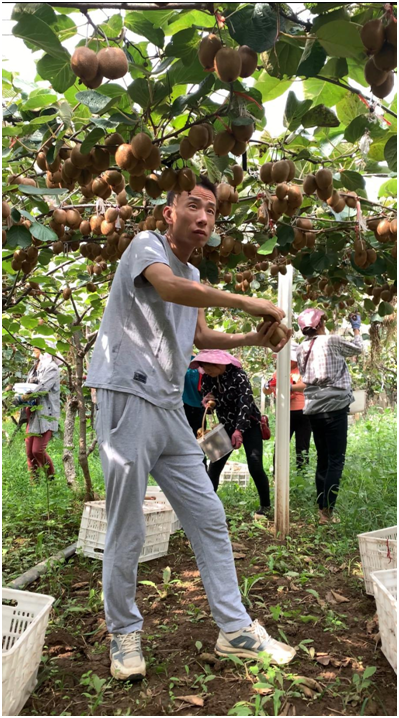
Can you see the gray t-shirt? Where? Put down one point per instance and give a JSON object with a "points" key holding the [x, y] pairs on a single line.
{"points": [[144, 344]]}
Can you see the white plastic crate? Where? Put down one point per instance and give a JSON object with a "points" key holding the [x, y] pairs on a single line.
{"points": [[385, 593], [24, 617], [155, 492], [93, 527], [378, 551], [236, 473]]}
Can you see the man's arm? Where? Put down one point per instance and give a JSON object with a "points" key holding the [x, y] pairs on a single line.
{"points": [[195, 294], [349, 348], [206, 338]]}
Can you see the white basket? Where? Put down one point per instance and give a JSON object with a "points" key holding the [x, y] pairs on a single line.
{"points": [[235, 473], [385, 592], [155, 492], [359, 405], [378, 551], [93, 527], [25, 617]]}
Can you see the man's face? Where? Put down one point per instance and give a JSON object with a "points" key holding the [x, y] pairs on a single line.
{"points": [[192, 216], [36, 353]]}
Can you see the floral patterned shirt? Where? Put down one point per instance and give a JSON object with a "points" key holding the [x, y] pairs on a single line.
{"points": [[235, 404]]}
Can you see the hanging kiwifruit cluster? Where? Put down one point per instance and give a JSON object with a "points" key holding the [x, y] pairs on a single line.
{"points": [[320, 183], [227, 194], [385, 230], [154, 220], [229, 63], [380, 42], [91, 68], [287, 198], [199, 138], [363, 256], [235, 139]]}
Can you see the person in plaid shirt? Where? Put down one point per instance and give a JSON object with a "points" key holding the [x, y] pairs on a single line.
{"points": [[328, 394]]}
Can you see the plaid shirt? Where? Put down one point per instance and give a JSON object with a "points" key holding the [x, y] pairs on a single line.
{"points": [[326, 365]]}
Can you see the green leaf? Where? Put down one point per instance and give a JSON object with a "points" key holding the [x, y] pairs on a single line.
{"points": [[37, 102], [356, 129], [211, 271], [28, 322], [323, 92], [32, 29], [214, 240], [18, 236], [92, 138], [95, 101], [285, 234], [282, 60], [45, 234], [215, 166], [204, 88], [182, 72], [64, 27], [186, 19], [27, 189], [57, 71], [352, 180], [341, 39], [255, 25], [312, 60], [336, 67], [294, 111], [138, 91], [113, 27], [271, 87], [137, 22], [349, 108], [370, 670], [320, 261], [320, 116], [384, 308], [322, 7], [388, 189], [182, 44], [391, 154], [268, 246]]}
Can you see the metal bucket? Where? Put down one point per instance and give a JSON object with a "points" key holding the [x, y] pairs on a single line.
{"points": [[216, 443]]}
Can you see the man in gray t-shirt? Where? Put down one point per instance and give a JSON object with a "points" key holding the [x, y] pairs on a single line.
{"points": [[154, 315]]}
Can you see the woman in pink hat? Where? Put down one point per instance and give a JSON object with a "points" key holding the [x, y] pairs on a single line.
{"points": [[226, 383], [328, 394]]}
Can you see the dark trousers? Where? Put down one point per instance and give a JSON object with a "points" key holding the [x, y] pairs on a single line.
{"points": [[252, 441], [194, 416], [330, 437], [300, 426]]}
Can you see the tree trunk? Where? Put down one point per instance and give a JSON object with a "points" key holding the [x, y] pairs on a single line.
{"points": [[71, 408], [83, 461]]}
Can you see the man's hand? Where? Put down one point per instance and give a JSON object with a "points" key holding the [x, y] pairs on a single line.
{"points": [[262, 337], [261, 307], [236, 439]]}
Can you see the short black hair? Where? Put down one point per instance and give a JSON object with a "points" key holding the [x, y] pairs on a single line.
{"points": [[202, 181]]}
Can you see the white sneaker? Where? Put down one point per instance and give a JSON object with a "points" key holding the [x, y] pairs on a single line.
{"points": [[127, 660], [250, 641]]}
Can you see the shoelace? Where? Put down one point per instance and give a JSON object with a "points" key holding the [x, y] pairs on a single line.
{"points": [[129, 641], [259, 631]]}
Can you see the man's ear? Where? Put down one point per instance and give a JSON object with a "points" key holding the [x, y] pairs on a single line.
{"points": [[167, 214]]}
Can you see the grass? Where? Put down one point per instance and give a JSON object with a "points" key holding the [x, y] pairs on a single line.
{"points": [[41, 519]]}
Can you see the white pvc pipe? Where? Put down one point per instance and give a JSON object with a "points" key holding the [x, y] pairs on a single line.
{"points": [[262, 395], [282, 475]]}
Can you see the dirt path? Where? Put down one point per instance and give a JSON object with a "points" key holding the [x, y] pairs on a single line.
{"points": [[335, 635]]}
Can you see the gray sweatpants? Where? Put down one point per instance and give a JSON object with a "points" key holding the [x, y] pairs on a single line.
{"points": [[137, 438]]}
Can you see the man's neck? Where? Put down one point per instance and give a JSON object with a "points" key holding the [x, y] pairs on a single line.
{"points": [[181, 250]]}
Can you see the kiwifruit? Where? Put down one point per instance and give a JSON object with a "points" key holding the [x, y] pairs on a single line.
{"points": [[372, 223], [107, 227], [223, 192], [281, 190], [265, 172], [280, 171], [394, 251], [137, 183], [5, 210], [121, 198], [59, 229], [32, 253], [210, 131], [339, 205], [393, 227], [310, 184], [95, 223], [152, 187], [41, 161], [99, 186], [57, 247], [113, 141], [124, 157], [383, 227], [84, 63], [78, 159], [243, 132], [323, 178], [304, 223], [372, 74], [371, 255], [391, 33], [263, 215], [249, 250], [73, 218], [167, 179], [324, 194], [151, 222], [141, 146], [223, 143], [85, 228], [385, 88], [161, 225], [207, 50], [239, 148], [59, 216], [113, 177], [138, 168], [186, 180], [228, 277], [66, 292], [292, 171], [154, 159], [85, 177], [234, 197], [111, 214], [238, 175], [227, 245], [373, 36], [224, 208], [69, 170], [95, 82], [274, 271], [386, 58], [112, 62], [228, 64], [351, 200], [360, 258], [294, 196], [300, 238], [310, 239], [99, 158], [126, 212], [27, 181], [249, 61], [158, 211], [186, 149], [198, 137]]}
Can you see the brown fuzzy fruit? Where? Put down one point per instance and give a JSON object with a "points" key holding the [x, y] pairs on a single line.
{"points": [[383, 227], [152, 187], [85, 228], [234, 197], [113, 141], [114, 178], [41, 161], [243, 132], [371, 256], [239, 148], [121, 199], [187, 151], [339, 205], [385, 88], [207, 50], [153, 160], [99, 158], [386, 58], [137, 183], [249, 61], [324, 194], [5, 210], [107, 227], [73, 218], [111, 214], [124, 157], [294, 196], [59, 216], [95, 82], [351, 200], [167, 179], [280, 171], [141, 146], [373, 36], [281, 190], [228, 64], [224, 209], [95, 223], [310, 185], [238, 175], [78, 159], [265, 172], [391, 33], [84, 63], [393, 228], [323, 178], [372, 74], [198, 137], [279, 206], [223, 143], [66, 292], [292, 171], [186, 180], [223, 192], [112, 62], [304, 223]]}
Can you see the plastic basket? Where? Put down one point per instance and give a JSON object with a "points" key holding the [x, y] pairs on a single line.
{"points": [[216, 443], [93, 527], [155, 492], [385, 593], [359, 405], [25, 618], [378, 551], [236, 473]]}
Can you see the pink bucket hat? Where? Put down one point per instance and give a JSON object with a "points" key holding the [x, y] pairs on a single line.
{"points": [[214, 356], [310, 318]]}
